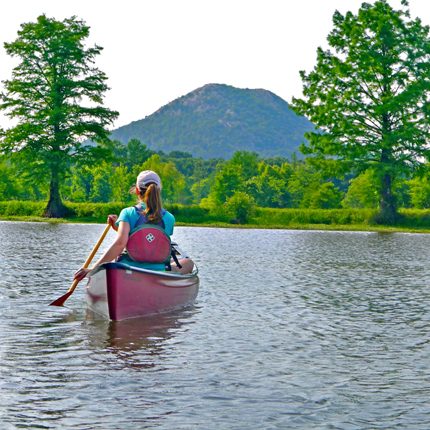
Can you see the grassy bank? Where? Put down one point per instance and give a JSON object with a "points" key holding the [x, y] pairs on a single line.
{"points": [[412, 220], [98, 212]]}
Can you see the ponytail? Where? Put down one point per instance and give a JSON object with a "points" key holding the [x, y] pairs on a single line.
{"points": [[151, 196]]}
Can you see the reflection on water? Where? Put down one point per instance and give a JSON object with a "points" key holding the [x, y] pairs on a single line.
{"points": [[291, 330], [137, 342]]}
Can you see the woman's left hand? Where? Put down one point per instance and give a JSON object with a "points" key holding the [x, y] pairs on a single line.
{"points": [[111, 220], [81, 273]]}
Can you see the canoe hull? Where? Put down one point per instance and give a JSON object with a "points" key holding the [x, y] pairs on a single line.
{"points": [[118, 291]]}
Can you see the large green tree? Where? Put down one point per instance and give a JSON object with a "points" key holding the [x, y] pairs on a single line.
{"points": [[172, 180], [369, 95], [55, 96]]}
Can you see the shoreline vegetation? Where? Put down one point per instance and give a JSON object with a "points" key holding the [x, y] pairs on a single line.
{"points": [[410, 220]]}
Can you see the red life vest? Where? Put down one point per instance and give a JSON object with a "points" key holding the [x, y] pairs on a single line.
{"points": [[147, 242]]}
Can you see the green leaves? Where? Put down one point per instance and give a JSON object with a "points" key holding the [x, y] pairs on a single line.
{"points": [[368, 94], [55, 94]]}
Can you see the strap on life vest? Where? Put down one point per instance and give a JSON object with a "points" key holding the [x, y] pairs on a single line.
{"points": [[143, 219], [175, 259]]}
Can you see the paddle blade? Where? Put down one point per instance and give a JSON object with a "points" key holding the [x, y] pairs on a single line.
{"points": [[60, 301]]}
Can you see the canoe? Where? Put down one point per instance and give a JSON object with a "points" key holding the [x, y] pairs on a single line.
{"points": [[120, 291]]}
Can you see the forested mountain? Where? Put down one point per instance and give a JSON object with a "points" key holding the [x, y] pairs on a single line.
{"points": [[216, 120]]}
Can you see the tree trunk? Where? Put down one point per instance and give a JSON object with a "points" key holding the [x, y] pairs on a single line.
{"points": [[55, 207], [388, 211]]}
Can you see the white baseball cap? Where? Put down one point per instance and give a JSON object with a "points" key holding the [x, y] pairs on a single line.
{"points": [[147, 177]]}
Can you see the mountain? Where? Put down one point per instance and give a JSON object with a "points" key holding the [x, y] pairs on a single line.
{"points": [[216, 120]]}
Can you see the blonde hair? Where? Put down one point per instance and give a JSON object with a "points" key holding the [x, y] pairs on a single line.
{"points": [[151, 196]]}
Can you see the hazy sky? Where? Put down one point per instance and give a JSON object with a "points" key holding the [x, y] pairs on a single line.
{"points": [[158, 50]]}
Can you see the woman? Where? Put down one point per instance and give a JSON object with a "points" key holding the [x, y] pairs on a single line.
{"points": [[150, 210]]}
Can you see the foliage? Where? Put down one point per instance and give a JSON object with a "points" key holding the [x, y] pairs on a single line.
{"points": [[363, 191], [240, 206], [193, 214], [280, 185], [414, 218], [420, 192], [200, 189], [129, 154], [270, 186], [94, 211], [55, 95], [9, 188], [216, 121], [173, 182], [292, 217], [265, 217], [21, 208], [326, 196], [198, 174], [369, 96], [233, 175], [270, 183], [228, 180], [309, 188]]}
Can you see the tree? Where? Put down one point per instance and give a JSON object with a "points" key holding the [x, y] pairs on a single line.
{"points": [[56, 96], [136, 153], [228, 179], [369, 96], [10, 188], [240, 206], [302, 182], [173, 182], [121, 180], [326, 196], [363, 191], [101, 187], [270, 186], [79, 183], [420, 192], [232, 176]]}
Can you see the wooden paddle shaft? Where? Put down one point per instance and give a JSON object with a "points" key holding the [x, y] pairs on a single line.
{"points": [[61, 300], [96, 247], [91, 256]]}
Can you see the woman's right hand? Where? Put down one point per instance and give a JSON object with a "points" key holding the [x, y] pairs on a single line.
{"points": [[81, 273], [111, 220]]}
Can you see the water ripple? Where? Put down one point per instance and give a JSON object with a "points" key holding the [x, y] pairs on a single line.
{"points": [[291, 330]]}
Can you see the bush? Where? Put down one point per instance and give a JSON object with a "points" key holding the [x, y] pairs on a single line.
{"points": [[270, 216], [195, 214], [22, 208], [190, 214], [240, 206], [94, 211], [419, 218]]}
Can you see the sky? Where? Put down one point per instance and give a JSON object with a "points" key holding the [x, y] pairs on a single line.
{"points": [[158, 50]]}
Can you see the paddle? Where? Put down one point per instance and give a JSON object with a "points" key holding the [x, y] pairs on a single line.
{"points": [[60, 301]]}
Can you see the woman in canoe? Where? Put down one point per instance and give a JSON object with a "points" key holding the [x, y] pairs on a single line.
{"points": [[149, 211]]}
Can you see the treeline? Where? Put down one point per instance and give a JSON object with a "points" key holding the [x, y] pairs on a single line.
{"points": [[235, 187]]}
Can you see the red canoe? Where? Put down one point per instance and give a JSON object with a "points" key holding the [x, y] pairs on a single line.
{"points": [[119, 291]]}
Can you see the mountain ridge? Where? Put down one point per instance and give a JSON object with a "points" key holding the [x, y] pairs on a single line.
{"points": [[216, 120]]}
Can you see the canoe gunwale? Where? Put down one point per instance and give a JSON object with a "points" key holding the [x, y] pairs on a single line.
{"points": [[167, 274]]}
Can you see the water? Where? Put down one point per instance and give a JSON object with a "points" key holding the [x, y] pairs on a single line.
{"points": [[291, 330]]}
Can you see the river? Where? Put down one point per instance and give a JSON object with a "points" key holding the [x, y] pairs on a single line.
{"points": [[290, 330]]}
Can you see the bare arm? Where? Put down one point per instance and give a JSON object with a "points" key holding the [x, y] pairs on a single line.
{"points": [[117, 247], [114, 250]]}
